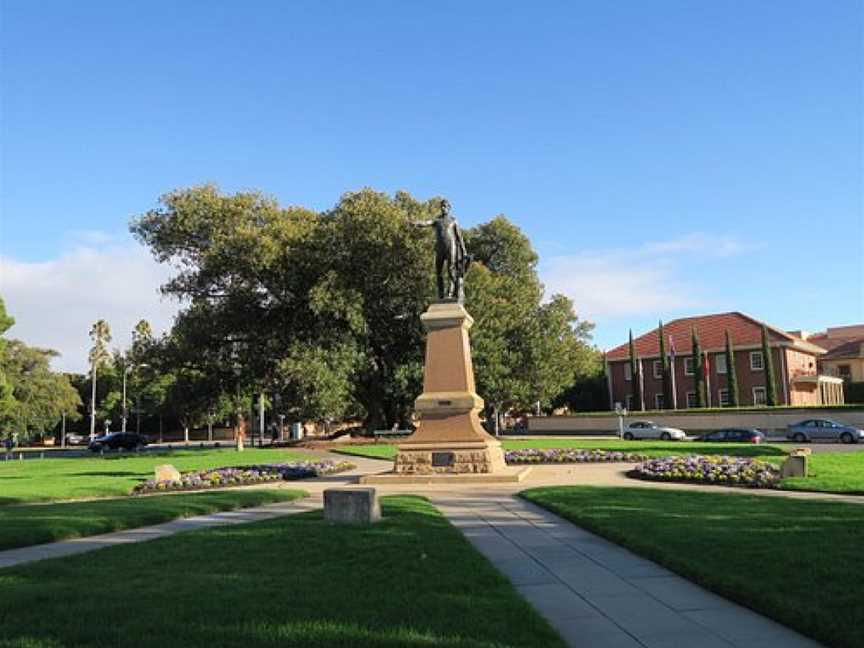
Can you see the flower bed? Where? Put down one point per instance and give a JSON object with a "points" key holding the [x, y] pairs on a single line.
{"points": [[567, 455], [243, 476], [727, 471]]}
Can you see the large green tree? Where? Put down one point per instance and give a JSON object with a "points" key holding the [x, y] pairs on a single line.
{"points": [[323, 309], [40, 396], [7, 400]]}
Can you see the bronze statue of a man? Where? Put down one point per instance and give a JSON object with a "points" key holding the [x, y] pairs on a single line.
{"points": [[449, 251]]}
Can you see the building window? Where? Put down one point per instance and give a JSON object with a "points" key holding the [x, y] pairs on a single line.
{"points": [[658, 369], [659, 401], [720, 363], [723, 397], [628, 372], [844, 372], [691, 399], [757, 362], [688, 366], [628, 402], [760, 396]]}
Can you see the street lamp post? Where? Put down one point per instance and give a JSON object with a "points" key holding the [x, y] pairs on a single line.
{"points": [[126, 372]]}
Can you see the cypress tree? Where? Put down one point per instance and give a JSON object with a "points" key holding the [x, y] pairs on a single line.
{"points": [[664, 371], [731, 374], [634, 376], [770, 387], [698, 371]]}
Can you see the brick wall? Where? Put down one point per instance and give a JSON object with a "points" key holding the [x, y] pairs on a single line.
{"points": [[794, 362]]}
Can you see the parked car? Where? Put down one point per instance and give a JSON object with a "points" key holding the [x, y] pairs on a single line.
{"points": [[735, 435], [116, 440], [75, 439], [650, 430], [824, 430]]}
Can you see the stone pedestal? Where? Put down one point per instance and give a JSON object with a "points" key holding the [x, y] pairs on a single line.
{"points": [[351, 505], [450, 438]]}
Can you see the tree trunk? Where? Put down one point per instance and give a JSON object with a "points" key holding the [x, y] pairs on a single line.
{"points": [[239, 432]]}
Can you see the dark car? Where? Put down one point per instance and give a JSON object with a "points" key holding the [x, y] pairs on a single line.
{"points": [[117, 440], [735, 435]]}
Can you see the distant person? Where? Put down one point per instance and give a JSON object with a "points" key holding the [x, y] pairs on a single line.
{"points": [[8, 443]]}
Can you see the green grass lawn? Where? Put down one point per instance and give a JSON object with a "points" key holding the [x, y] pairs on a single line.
{"points": [[410, 580], [841, 472], [40, 480], [796, 561], [30, 524], [650, 448]]}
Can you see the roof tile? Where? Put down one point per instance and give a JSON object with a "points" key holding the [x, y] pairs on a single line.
{"points": [[711, 329]]}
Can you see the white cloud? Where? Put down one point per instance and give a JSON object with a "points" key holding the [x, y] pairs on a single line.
{"points": [[645, 279], [55, 302]]}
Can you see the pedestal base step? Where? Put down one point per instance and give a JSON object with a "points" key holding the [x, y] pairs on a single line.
{"points": [[509, 475]]}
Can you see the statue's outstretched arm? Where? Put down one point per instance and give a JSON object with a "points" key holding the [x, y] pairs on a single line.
{"points": [[426, 223]]}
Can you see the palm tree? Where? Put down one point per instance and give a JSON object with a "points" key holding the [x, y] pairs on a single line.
{"points": [[99, 356]]}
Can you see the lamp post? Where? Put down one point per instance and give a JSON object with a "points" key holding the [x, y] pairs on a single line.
{"points": [[126, 372]]}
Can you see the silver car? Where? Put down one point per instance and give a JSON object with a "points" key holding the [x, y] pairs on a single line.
{"points": [[650, 430], [824, 430]]}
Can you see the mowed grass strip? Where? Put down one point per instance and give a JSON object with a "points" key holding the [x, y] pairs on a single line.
{"points": [[649, 448], [410, 580], [796, 561], [838, 472], [31, 524], [41, 480]]}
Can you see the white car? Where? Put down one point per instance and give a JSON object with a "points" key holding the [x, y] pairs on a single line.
{"points": [[650, 430]]}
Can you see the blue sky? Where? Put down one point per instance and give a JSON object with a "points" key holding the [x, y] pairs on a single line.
{"points": [[666, 158]]}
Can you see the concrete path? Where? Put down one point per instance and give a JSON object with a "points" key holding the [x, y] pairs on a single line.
{"points": [[12, 557], [598, 595]]}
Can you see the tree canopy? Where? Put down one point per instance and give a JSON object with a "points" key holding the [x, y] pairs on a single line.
{"points": [[322, 309], [33, 398]]}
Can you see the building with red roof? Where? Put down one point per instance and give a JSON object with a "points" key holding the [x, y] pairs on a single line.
{"points": [[794, 359], [845, 351]]}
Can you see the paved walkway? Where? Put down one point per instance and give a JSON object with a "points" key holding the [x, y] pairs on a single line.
{"points": [[598, 595], [595, 593], [12, 557]]}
